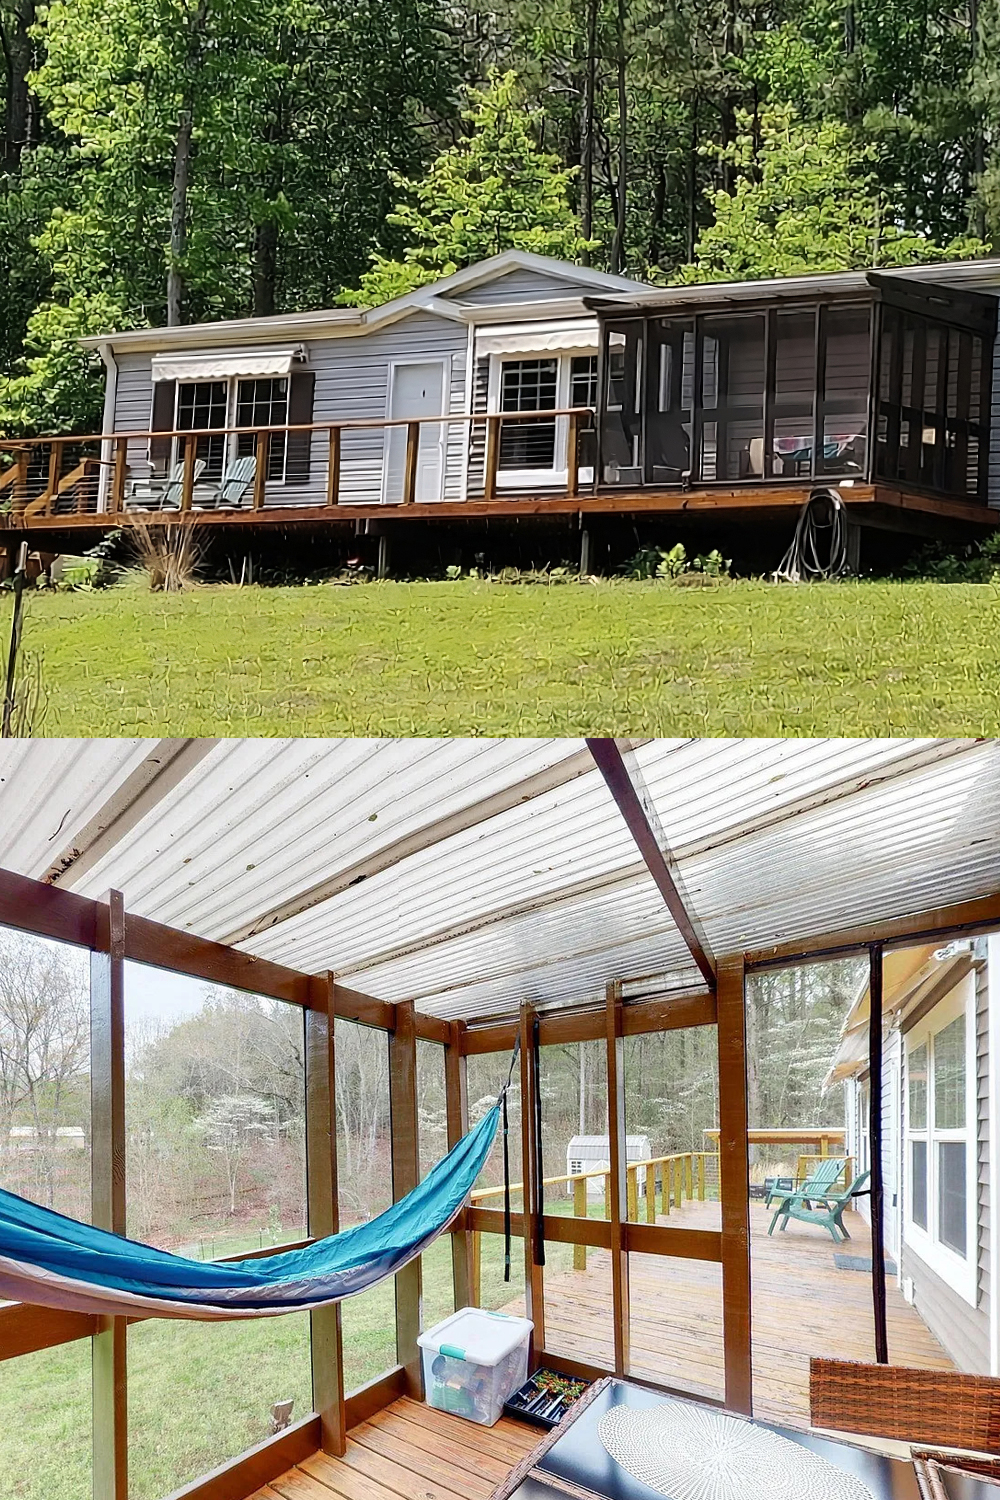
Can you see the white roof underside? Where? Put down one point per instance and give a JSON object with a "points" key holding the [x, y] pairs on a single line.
{"points": [[544, 900]]}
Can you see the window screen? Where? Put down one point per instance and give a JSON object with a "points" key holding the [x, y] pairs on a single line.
{"points": [[918, 1087], [952, 1195], [918, 1161], [528, 385], [949, 1076], [202, 405], [583, 381], [263, 403]]}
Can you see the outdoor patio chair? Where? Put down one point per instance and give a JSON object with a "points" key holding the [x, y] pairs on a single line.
{"points": [[144, 492], [943, 1407], [233, 486], [818, 1202]]}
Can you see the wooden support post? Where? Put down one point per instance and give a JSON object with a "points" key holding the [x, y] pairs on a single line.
{"points": [[324, 1208], [187, 481], [476, 1288], [607, 1195], [118, 476], [260, 470], [20, 487], [701, 1177], [457, 1107], [55, 459], [631, 1195], [107, 1123], [734, 1183], [492, 457], [651, 1194], [410, 468], [580, 1212], [689, 1175], [534, 1286], [405, 1177], [573, 456], [333, 468], [618, 1155], [668, 1183]]}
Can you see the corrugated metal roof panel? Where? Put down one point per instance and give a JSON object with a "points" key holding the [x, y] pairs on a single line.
{"points": [[389, 861]]}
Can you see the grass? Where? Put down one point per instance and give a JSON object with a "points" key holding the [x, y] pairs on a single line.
{"points": [[480, 658]]}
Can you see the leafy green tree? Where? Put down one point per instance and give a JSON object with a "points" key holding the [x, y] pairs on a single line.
{"points": [[495, 190], [806, 199]]}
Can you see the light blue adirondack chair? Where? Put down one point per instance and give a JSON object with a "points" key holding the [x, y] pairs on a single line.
{"points": [[234, 484], [819, 1202]]}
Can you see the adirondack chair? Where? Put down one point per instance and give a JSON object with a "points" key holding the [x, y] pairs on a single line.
{"points": [[235, 482], [169, 498], [814, 1204], [821, 1180]]}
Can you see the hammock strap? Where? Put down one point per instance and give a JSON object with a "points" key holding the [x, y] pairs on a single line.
{"points": [[506, 1162], [539, 1169]]}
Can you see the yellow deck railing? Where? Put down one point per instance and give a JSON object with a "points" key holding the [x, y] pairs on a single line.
{"points": [[670, 1180]]}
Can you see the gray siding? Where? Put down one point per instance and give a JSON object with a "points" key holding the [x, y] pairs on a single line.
{"points": [[963, 1330], [993, 486], [352, 381], [524, 286]]}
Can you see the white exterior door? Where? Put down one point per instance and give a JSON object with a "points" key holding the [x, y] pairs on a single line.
{"points": [[415, 390]]}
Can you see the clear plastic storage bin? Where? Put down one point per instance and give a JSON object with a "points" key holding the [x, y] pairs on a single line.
{"points": [[473, 1361]]}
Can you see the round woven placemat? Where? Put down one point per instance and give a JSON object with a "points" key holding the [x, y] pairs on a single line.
{"points": [[691, 1453]]}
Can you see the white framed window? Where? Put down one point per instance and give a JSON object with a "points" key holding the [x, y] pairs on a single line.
{"points": [[940, 1168], [236, 402], [535, 453]]}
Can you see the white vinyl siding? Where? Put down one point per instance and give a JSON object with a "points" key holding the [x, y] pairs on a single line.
{"points": [[352, 381]]}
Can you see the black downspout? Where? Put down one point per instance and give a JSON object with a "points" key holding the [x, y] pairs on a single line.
{"points": [[875, 1149]]}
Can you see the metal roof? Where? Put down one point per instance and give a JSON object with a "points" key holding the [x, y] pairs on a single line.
{"points": [[471, 874]]}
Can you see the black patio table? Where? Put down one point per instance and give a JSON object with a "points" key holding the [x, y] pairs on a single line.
{"points": [[575, 1459]]}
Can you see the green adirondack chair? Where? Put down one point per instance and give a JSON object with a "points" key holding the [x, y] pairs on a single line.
{"points": [[815, 1203]]}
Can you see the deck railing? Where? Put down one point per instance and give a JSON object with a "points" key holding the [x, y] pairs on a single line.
{"points": [[670, 1180], [252, 469]]}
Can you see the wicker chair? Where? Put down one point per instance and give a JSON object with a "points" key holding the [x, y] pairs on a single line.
{"points": [[938, 1407]]}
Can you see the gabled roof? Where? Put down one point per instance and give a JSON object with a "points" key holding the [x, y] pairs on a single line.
{"points": [[442, 297]]}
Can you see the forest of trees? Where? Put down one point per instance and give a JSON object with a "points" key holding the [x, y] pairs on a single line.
{"points": [[215, 1105], [164, 161]]}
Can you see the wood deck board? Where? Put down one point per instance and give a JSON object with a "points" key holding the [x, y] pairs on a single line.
{"points": [[409, 1452], [802, 1305]]}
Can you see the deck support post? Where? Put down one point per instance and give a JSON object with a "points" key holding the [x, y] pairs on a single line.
{"points": [[118, 476], [734, 1182], [492, 457], [384, 556], [187, 481], [405, 1177], [326, 1341], [534, 1282], [617, 1151], [263, 449], [410, 465], [457, 1109], [584, 552], [107, 1114], [333, 469]]}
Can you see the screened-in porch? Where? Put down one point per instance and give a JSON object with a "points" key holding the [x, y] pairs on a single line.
{"points": [[277, 980], [887, 381]]}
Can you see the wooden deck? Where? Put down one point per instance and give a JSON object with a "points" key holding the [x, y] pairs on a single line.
{"points": [[803, 1305], [410, 1452]]}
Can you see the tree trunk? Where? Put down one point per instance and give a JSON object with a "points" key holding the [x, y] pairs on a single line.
{"points": [[18, 58], [692, 203], [587, 142], [178, 219], [728, 110], [618, 243], [265, 268]]}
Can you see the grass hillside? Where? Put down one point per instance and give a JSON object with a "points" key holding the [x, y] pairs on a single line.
{"points": [[484, 658]]}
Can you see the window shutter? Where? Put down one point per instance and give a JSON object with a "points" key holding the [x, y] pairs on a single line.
{"points": [[300, 410], [162, 420]]}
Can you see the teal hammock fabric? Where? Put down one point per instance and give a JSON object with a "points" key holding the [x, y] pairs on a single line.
{"points": [[54, 1261]]}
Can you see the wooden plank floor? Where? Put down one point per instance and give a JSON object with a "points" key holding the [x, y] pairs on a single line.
{"points": [[803, 1305], [410, 1452]]}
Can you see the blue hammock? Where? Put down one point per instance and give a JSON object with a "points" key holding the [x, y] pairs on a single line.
{"points": [[53, 1261]]}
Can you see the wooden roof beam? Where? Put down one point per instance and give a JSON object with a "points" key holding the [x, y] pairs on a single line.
{"points": [[626, 785]]}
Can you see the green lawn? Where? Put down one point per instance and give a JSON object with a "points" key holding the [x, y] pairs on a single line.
{"points": [[482, 658]]}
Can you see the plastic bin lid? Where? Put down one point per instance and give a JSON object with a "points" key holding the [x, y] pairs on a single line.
{"points": [[477, 1336]]}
